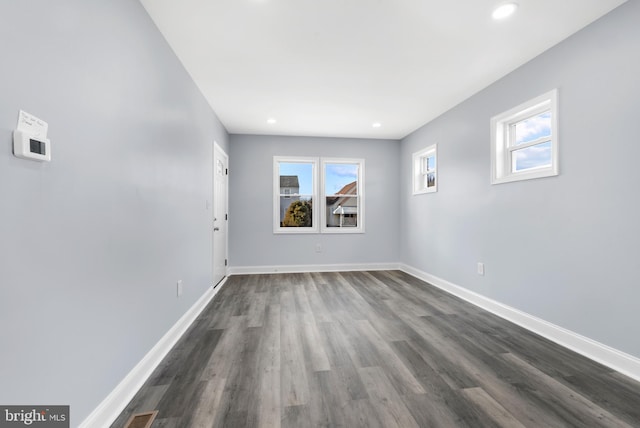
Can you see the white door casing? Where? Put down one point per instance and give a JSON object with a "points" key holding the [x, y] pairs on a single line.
{"points": [[220, 212]]}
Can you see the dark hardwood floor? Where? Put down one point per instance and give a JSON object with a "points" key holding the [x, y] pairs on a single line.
{"points": [[372, 349]]}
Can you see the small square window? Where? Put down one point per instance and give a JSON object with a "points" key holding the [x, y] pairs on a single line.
{"points": [[425, 172], [524, 141]]}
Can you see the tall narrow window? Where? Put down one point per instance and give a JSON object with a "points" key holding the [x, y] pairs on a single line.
{"points": [[524, 141], [425, 172], [343, 195], [295, 190]]}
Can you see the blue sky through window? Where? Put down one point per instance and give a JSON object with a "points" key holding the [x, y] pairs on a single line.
{"points": [[338, 175], [532, 157], [304, 171], [527, 131], [533, 128]]}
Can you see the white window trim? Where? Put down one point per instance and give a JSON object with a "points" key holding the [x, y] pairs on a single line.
{"points": [[361, 200], [418, 172], [276, 195], [500, 150]]}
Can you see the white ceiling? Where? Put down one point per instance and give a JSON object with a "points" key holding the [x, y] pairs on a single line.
{"points": [[334, 67]]}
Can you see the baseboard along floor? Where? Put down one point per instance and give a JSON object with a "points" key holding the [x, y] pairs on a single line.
{"points": [[374, 349]]}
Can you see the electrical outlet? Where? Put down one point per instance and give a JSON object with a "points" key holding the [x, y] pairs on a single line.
{"points": [[480, 268], [318, 248], [179, 288]]}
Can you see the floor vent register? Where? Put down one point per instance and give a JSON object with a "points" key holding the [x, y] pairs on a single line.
{"points": [[141, 420]]}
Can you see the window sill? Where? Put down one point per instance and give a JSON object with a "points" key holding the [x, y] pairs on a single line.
{"points": [[547, 172]]}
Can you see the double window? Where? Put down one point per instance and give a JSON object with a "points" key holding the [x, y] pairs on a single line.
{"points": [[313, 195], [524, 141]]}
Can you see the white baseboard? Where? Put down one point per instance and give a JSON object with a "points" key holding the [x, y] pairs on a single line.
{"points": [[610, 357], [242, 270], [117, 400]]}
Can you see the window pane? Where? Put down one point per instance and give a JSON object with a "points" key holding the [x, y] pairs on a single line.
{"points": [[538, 156], [341, 179], [428, 163], [296, 178], [296, 189], [342, 211], [296, 211], [430, 179], [533, 128]]}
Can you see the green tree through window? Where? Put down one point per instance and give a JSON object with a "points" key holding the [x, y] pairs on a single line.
{"points": [[298, 214]]}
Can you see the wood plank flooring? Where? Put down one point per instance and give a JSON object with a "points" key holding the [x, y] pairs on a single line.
{"points": [[372, 349]]}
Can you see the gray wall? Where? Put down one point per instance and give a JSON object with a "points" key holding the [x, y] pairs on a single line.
{"points": [[253, 242], [92, 244], [564, 248]]}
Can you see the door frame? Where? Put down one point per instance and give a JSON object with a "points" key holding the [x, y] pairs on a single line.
{"points": [[218, 149]]}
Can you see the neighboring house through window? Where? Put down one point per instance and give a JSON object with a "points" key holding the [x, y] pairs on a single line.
{"points": [[342, 211], [295, 190], [343, 195], [289, 185], [297, 205]]}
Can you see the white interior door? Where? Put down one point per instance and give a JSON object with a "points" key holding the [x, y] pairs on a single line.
{"points": [[220, 212]]}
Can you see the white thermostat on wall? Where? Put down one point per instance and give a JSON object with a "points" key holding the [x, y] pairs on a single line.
{"points": [[29, 146], [30, 138]]}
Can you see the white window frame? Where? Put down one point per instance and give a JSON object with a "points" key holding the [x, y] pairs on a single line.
{"points": [[419, 173], [360, 196], [276, 195], [502, 136], [318, 216]]}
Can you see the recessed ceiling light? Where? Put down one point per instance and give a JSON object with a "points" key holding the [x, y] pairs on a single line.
{"points": [[271, 121], [376, 124], [504, 10]]}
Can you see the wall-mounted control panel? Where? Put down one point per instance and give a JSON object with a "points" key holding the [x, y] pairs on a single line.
{"points": [[28, 146], [30, 138]]}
